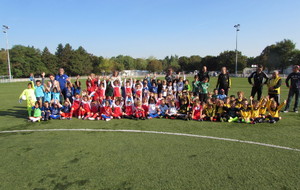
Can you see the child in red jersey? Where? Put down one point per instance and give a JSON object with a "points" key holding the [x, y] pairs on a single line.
{"points": [[197, 111], [138, 88], [94, 110], [117, 108], [128, 87], [75, 106], [106, 111], [85, 108], [116, 84], [139, 112], [129, 106], [145, 105], [100, 90]]}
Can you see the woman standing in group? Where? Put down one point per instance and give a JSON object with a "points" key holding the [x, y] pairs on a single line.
{"points": [[224, 81]]}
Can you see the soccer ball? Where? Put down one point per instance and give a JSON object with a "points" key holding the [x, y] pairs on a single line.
{"points": [[23, 97]]}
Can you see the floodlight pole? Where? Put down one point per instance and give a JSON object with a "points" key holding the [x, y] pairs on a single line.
{"points": [[5, 31], [237, 26]]}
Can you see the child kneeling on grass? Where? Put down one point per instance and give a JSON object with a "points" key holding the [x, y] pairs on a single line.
{"points": [[274, 109], [171, 111], [55, 110], [152, 109], [37, 113], [46, 111], [65, 111], [106, 111]]}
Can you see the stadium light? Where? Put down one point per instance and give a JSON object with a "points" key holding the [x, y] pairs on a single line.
{"points": [[237, 27], [5, 31]]}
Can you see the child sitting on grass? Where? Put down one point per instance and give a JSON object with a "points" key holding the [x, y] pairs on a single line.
{"points": [[106, 111], [37, 113], [46, 111], [197, 111], [172, 110], [65, 110], [245, 112], [55, 110], [274, 109], [139, 112]]}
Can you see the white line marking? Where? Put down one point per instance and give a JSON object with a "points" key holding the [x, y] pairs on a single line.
{"points": [[155, 132]]}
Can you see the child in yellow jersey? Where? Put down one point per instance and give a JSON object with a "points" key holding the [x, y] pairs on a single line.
{"points": [[274, 109], [263, 107], [245, 112], [220, 111], [210, 112], [227, 102], [29, 95], [255, 109], [239, 100]]}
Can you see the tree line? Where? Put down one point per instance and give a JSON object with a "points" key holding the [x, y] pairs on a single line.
{"points": [[26, 59]]}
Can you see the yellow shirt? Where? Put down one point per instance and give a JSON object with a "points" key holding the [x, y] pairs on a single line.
{"points": [[255, 112], [274, 112], [245, 113]]}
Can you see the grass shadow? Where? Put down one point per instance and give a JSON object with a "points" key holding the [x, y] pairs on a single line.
{"points": [[16, 111]]}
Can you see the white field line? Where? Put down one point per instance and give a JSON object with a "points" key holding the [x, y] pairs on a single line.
{"points": [[155, 132]]}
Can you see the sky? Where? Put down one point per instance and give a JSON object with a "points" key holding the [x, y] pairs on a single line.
{"points": [[144, 28]]}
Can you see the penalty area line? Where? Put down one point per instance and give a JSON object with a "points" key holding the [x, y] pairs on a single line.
{"points": [[155, 132]]}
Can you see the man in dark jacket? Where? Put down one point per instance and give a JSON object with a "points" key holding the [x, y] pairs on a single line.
{"points": [[258, 79], [294, 87], [203, 74], [224, 81]]}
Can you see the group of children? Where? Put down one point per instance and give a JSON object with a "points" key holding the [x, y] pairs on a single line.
{"points": [[111, 98]]}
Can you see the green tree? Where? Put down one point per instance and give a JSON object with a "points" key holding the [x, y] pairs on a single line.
{"points": [[154, 66], [26, 60], [140, 64], [64, 55], [279, 55], [227, 58], [49, 60], [80, 62]]}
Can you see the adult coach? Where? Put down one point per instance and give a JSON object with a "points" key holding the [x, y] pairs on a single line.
{"points": [[169, 76], [258, 81], [224, 81], [294, 88], [203, 74], [274, 84], [61, 77]]}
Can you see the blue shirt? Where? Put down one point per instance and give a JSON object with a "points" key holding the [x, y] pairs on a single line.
{"points": [[221, 96], [39, 91], [62, 81], [55, 111], [66, 109], [56, 96], [77, 90], [47, 96], [69, 92]]}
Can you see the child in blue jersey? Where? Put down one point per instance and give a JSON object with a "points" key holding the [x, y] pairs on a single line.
{"points": [[46, 111], [39, 88], [69, 91], [65, 110], [47, 95], [55, 95], [77, 86], [55, 110]]}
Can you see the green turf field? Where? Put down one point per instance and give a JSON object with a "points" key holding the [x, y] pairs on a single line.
{"points": [[120, 160]]}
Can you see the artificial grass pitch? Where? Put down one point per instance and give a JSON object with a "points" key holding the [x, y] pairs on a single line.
{"points": [[114, 160]]}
